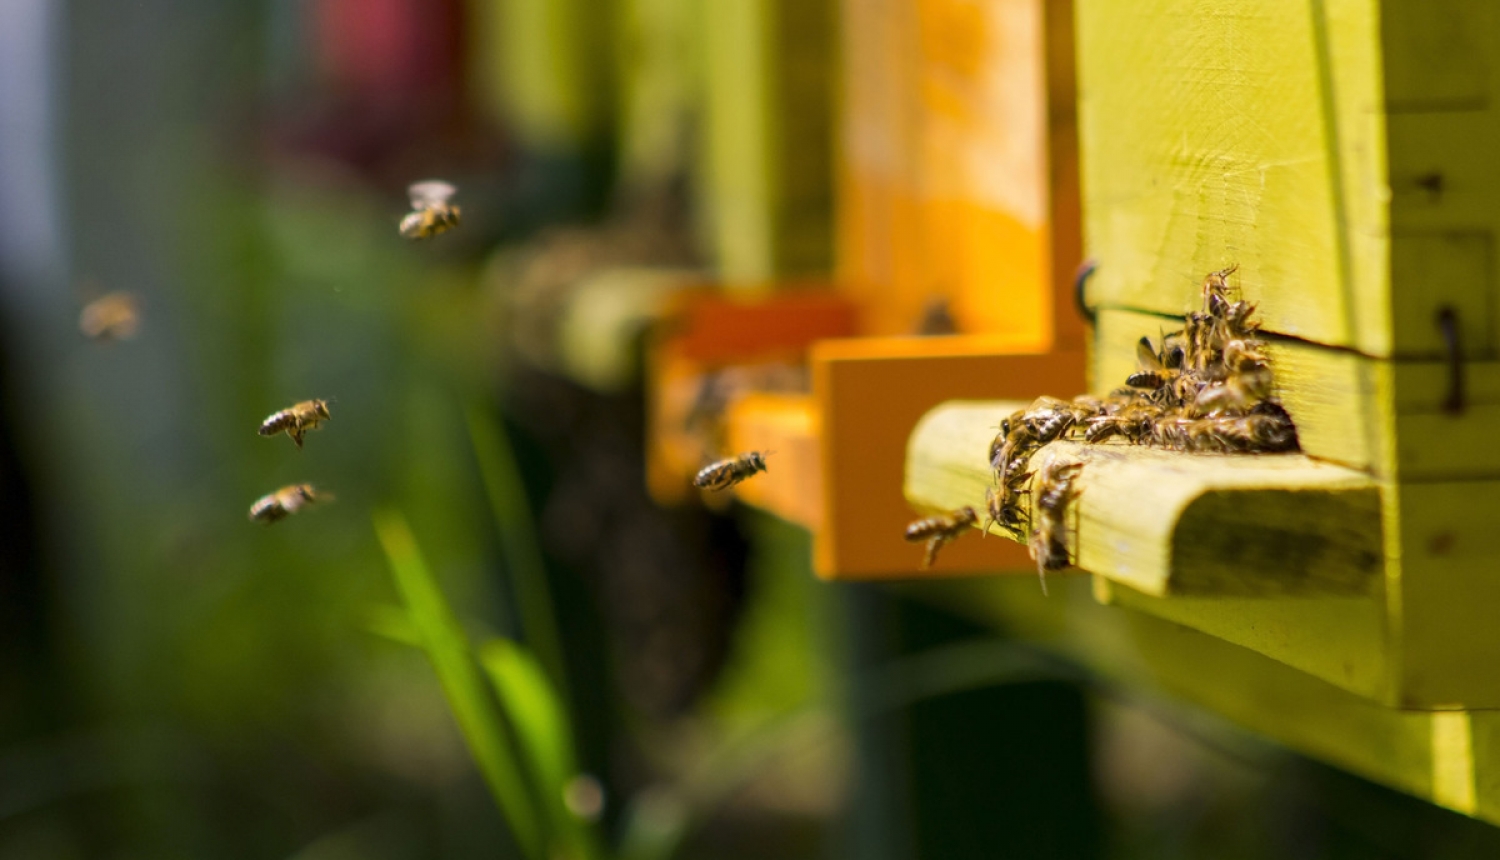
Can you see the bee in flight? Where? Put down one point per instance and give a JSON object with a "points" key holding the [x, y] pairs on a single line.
{"points": [[285, 502], [112, 316], [296, 420], [726, 473], [431, 213], [939, 530]]}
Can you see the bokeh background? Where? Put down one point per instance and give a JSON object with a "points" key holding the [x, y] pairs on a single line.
{"points": [[178, 682]]}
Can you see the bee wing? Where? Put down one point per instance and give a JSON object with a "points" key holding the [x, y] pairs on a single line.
{"points": [[1146, 355], [430, 192]]}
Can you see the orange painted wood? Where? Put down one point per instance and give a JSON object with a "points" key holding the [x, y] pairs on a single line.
{"points": [[870, 393], [712, 328], [707, 334], [959, 168], [786, 425]]}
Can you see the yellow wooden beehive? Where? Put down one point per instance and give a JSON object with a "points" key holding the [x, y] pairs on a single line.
{"points": [[1340, 153]]}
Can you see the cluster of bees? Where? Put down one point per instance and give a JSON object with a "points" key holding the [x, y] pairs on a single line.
{"points": [[1206, 388], [116, 316]]}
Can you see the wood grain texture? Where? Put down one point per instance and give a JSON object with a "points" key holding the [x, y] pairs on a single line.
{"points": [[1164, 522], [1244, 133]]}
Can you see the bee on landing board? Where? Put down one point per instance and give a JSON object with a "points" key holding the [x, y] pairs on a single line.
{"points": [[726, 473], [112, 316], [285, 502], [1053, 492], [431, 213], [296, 420], [939, 530]]}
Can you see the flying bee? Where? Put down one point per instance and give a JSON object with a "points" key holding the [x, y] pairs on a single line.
{"points": [[1053, 492], [296, 420], [285, 502], [939, 530], [431, 213], [112, 316], [726, 473]]}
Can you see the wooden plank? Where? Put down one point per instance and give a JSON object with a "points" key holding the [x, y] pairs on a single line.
{"points": [[1165, 522], [870, 393], [958, 166], [1444, 609], [1151, 656], [1241, 133], [767, 137]]}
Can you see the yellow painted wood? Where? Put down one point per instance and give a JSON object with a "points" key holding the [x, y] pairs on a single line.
{"points": [[1156, 524], [551, 74], [1443, 610], [767, 136], [1149, 656], [1165, 522], [1241, 133]]}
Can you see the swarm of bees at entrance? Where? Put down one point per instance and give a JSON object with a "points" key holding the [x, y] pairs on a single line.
{"points": [[1205, 388]]}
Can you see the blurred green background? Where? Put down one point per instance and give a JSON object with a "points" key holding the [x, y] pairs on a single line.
{"points": [[626, 680]]}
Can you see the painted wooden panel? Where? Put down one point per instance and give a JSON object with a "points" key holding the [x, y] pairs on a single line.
{"points": [[1241, 133], [958, 165]]}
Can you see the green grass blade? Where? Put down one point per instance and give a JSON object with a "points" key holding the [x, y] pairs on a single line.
{"points": [[546, 739], [473, 706], [523, 558]]}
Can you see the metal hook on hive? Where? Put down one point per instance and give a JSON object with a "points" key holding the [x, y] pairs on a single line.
{"points": [[1080, 284], [1447, 322]]}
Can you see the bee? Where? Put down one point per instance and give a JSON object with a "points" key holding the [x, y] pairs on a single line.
{"points": [[1267, 428], [939, 530], [726, 473], [1054, 491], [1049, 418], [112, 316], [1002, 506], [431, 213], [296, 420], [1154, 374], [285, 502], [1133, 421], [1217, 284]]}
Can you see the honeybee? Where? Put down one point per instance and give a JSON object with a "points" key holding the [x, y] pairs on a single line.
{"points": [[939, 530], [296, 420], [1053, 493], [285, 502], [726, 473], [1267, 428], [1153, 375], [112, 316], [1002, 507], [1217, 283], [1132, 421], [1049, 418], [431, 213]]}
